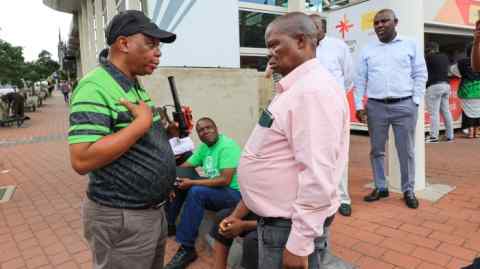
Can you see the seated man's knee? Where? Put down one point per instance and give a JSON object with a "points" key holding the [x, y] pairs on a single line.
{"points": [[198, 192]]}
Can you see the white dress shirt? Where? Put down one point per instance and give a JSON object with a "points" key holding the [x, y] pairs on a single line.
{"points": [[335, 56]]}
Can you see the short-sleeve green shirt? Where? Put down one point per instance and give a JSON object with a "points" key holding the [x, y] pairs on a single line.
{"points": [[224, 154], [142, 176]]}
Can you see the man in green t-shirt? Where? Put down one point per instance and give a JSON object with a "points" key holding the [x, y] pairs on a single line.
{"points": [[218, 156]]}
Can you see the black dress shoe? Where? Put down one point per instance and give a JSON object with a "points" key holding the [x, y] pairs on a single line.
{"points": [[376, 195], [182, 258], [345, 210], [410, 199]]}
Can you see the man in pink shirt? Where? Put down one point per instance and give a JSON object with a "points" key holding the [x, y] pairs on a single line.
{"points": [[291, 165]]}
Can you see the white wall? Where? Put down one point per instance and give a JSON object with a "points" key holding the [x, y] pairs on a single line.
{"points": [[207, 32], [229, 96]]}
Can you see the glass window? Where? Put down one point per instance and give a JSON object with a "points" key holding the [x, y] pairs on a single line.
{"points": [[252, 28], [280, 3], [334, 4], [254, 62], [314, 5]]}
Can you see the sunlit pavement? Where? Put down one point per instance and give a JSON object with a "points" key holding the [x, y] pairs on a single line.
{"points": [[41, 226]]}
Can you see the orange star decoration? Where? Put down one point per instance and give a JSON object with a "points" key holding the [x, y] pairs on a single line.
{"points": [[344, 26]]}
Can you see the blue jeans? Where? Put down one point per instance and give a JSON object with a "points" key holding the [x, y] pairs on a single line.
{"points": [[197, 199]]}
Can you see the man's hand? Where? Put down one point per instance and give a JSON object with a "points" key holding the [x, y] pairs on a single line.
{"points": [[173, 130], [185, 183], [172, 196], [362, 115], [292, 261], [141, 112], [231, 227], [476, 33], [475, 55]]}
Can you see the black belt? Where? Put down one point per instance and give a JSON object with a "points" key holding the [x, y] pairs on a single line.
{"points": [[151, 206], [288, 222], [389, 100]]}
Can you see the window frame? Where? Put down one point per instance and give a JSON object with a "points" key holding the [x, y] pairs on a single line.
{"points": [[259, 8]]}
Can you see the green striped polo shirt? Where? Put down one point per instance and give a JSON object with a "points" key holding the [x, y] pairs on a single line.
{"points": [[145, 173]]}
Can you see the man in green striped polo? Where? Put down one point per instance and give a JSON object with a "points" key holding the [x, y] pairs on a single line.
{"points": [[116, 139]]}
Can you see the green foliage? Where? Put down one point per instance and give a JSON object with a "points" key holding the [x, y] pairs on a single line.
{"points": [[11, 64], [14, 69]]}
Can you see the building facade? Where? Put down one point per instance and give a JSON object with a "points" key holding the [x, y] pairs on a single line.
{"points": [[246, 18]]}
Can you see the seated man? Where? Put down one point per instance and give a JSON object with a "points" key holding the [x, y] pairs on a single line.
{"points": [[218, 155], [225, 230]]}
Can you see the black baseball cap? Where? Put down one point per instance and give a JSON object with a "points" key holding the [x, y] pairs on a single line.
{"points": [[130, 22]]}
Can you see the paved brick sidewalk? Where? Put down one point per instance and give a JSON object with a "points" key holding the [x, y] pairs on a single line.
{"points": [[40, 227]]}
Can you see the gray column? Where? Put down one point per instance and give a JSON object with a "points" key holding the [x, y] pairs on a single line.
{"points": [[84, 37], [111, 9], [91, 35], [134, 4], [99, 31], [414, 26], [296, 5]]}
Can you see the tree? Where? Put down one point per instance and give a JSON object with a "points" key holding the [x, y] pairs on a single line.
{"points": [[11, 64], [45, 65], [31, 73], [14, 69]]}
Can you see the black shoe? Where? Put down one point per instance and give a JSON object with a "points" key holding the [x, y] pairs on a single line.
{"points": [[376, 195], [172, 230], [345, 210], [431, 140], [182, 258], [410, 199]]}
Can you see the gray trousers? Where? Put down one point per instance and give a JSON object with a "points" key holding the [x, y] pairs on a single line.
{"points": [[402, 116], [273, 238], [437, 101], [125, 239]]}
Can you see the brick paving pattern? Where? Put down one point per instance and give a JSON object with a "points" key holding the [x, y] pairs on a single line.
{"points": [[41, 226]]}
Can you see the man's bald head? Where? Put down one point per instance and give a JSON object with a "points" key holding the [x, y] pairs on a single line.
{"points": [[389, 12], [384, 24], [291, 40], [294, 24]]}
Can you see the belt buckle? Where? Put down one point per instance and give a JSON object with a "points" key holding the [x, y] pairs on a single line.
{"points": [[159, 205], [388, 99]]}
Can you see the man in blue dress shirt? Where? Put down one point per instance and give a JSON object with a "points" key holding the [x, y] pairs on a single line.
{"points": [[392, 74]]}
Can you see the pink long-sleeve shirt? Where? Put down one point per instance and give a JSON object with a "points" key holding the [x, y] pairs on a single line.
{"points": [[292, 169]]}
